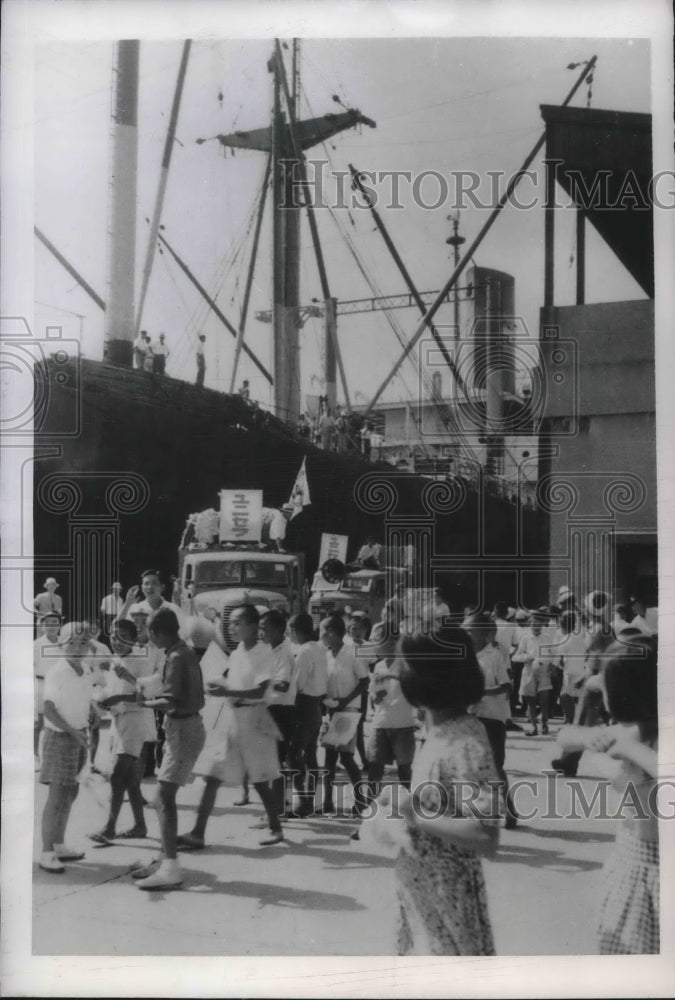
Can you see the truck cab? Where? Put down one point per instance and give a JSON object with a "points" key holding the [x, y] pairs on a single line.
{"points": [[215, 579], [359, 590]]}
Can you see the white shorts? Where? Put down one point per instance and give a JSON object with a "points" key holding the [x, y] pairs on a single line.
{"points": [[131, 730], [248, 749]]}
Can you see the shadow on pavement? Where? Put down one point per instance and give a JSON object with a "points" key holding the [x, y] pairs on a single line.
{"points": [[274, 895], [81, 873], [578, 836], [351, 858], [536, 858]]}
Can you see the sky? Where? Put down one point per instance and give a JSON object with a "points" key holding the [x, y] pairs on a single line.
{"points": [[440, 104]]}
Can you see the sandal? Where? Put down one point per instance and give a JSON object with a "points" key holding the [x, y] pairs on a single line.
{"points": [[131, 835], [101, 840], [186, 842]]}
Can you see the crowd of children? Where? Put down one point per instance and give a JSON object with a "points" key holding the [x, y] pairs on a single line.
{"points": [[440, 700]]}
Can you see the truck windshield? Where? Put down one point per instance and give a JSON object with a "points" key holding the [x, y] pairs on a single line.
{"points": [[213, 572], [271, 574], [356, 584]]}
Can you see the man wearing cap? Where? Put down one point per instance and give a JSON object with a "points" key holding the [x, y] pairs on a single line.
{"points": [[535, 682], [50, 600], [566, 599]]}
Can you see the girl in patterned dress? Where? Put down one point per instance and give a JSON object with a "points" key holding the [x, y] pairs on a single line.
{"points": [[629, 914], [441, 891]]}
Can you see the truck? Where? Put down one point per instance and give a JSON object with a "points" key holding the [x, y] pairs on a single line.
{"points": [[214, 577], [359, 589]]}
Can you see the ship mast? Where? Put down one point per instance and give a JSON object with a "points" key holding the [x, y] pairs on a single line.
{"points": [[119, 315], [287, 142]]}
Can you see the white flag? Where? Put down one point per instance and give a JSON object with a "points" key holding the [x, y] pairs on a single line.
{"points": [[300, 497]]}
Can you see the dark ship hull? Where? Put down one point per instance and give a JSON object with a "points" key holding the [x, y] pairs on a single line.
{"points": [[136, 452]]}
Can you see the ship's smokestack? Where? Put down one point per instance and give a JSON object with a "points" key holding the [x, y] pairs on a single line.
{"points": [[119, 326]]}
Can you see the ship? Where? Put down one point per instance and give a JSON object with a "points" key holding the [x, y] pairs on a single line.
{"points": [[134, 452]]}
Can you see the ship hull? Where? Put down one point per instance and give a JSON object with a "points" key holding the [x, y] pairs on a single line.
{"points": [[137, 452]]}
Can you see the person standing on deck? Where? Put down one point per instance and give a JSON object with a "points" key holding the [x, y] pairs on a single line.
{"points": [[160, 354], [201, 362]]}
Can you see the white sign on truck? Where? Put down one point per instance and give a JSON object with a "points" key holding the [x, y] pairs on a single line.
{"points": [[241, 515], [333, 547]]}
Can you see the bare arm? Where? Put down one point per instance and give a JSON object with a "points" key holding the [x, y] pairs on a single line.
{"points": [[472, 832], [252, 694], [498, 689], [131, 597]]}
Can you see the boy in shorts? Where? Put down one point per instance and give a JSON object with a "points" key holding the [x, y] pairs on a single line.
{"points": [[133, 725], [67, 713], [182, 702]]}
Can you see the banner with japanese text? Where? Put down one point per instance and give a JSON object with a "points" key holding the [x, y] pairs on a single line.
{"points": [[241, 515]]}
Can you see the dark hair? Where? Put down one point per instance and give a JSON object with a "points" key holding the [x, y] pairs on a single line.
{"points": [[568, 621], [277, 619], [481, 620], [250, 615], [302, 624], [631, 680], [127, 626], [335, 623], [152, 572], [163, 621], [362, 618], [435, 676], [49, 614], [501, 609]]}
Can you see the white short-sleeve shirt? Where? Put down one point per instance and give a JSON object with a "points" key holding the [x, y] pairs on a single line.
{"points": [[344, 672], [284, 671], [70, 694], [312, 669], [494, 666], [250, 667]]}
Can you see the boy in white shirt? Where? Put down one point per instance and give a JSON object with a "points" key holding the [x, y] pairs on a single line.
{"points": [[493, 708], [67, 711], [347, 679], [45, 654], [312, 682], [133, 726]]}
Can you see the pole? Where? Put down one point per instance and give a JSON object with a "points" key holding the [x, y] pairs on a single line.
{"points": [[330, 387], [249, 277], [549, 235], [300, 157], [70, 269], [408, 280], [474, 246], [581, 257], [278, 255], [119, 317], [163, 178], [223, 319]]}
